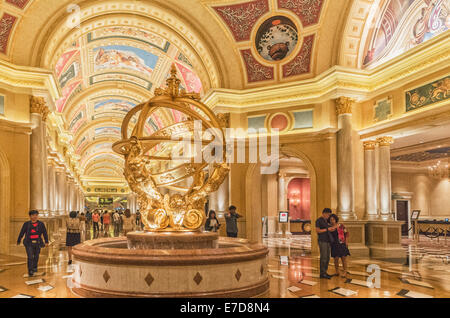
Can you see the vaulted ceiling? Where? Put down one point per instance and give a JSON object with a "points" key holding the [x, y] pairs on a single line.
{"points": [[109, 56]]}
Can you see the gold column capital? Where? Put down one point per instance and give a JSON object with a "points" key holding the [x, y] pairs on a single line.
{"points": [[38, 106], [344, 105], [369, 145], [385, 141]]}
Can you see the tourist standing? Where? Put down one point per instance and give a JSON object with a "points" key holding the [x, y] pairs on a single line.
{"points": [[82, 226], [323, 230], [106, 222], [138, 220], [212, 223], [73, 236], [95, 220], [231, 221], [88, 220], [33, 231], [128, 222], [116, 222], [339, 246]]}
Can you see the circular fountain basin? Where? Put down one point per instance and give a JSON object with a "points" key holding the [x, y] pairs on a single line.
{"points": [[216, 267]]}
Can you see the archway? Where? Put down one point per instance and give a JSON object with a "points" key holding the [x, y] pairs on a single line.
{"points": [[5, 198], [253, 196]]}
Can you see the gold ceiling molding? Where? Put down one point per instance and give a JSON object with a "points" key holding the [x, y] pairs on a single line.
{"points": [[385, 141], [360, 85], [28, 78], [441, 143], [15, 127]]}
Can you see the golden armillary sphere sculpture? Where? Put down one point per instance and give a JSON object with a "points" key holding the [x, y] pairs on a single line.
{"points": [[150, 163]]}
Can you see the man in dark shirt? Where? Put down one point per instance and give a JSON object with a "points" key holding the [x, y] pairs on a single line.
{"points": [[322, 229], [231, 221], [33, 231]]}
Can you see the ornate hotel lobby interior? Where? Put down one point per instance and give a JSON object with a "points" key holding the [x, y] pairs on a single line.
{"points": [[124, 123]]}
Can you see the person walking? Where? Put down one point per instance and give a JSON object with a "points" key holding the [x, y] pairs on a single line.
{"points": [[116, 222], [128, 222], [88, 220], [231, 221], [138, 220], [212, 223], [82, 226], [323, 230], [73, 236], [339, 246], [33, 231], [106, 222], [95, 221]]}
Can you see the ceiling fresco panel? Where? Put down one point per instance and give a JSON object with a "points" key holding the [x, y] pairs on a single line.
{"points": [[6, 24], [256, 72], [308, 11], [240, 18]]}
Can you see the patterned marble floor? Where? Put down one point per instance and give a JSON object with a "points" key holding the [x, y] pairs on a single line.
{"points": [[293, 273]]}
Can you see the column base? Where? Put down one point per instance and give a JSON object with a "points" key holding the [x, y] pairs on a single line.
{"points": [[384, 239], [347, 216], [357, 238]]}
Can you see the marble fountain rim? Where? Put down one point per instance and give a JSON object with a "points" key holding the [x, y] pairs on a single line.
{"points": [[93, 252]]}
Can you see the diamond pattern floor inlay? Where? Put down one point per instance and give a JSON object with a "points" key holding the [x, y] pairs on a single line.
{"points": [[424, 273]]}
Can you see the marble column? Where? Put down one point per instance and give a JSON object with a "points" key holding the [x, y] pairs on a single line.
{"points": [[384, 160], [69, 186], [223, 196], [52, 197], [38, 155], [370, 180], [345, 165], [281, 193], [61, 188]]}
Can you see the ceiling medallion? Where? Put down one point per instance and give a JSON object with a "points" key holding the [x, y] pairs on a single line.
{"points": [[276, 38]]}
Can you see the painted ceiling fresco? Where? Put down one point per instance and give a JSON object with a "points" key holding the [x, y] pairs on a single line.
{"points": [[433, 154], [271, 45], [125, 57], [404, 24]]}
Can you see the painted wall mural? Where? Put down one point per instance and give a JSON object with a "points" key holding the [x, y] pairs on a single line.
{"points": [[276, 38], [78, 120], [307, 10], [431, 93], [6, 24], [191, 81], [405, 24], [301, 64], [382, 109], [124, 57], [113, 105], [256, 72], [241, 17], [119, 32], [114, 131]]}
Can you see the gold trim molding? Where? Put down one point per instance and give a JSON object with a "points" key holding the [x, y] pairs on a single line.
{"points": [[369, 145], [385, 141], [38, 106]]}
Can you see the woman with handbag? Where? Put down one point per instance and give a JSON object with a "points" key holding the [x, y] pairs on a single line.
{"points": [[339, 245], [73, 236]]}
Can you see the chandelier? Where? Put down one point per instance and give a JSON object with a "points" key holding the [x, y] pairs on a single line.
{"points": [[440, 170]]}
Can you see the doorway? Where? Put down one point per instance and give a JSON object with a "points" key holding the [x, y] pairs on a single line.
{"points": [[403, 215]]}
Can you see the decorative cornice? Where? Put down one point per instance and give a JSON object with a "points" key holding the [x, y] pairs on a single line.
{"points": [[369, 145], [15, 127], [385, 141], [28, 78], [344, 105], [360, 85]]}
